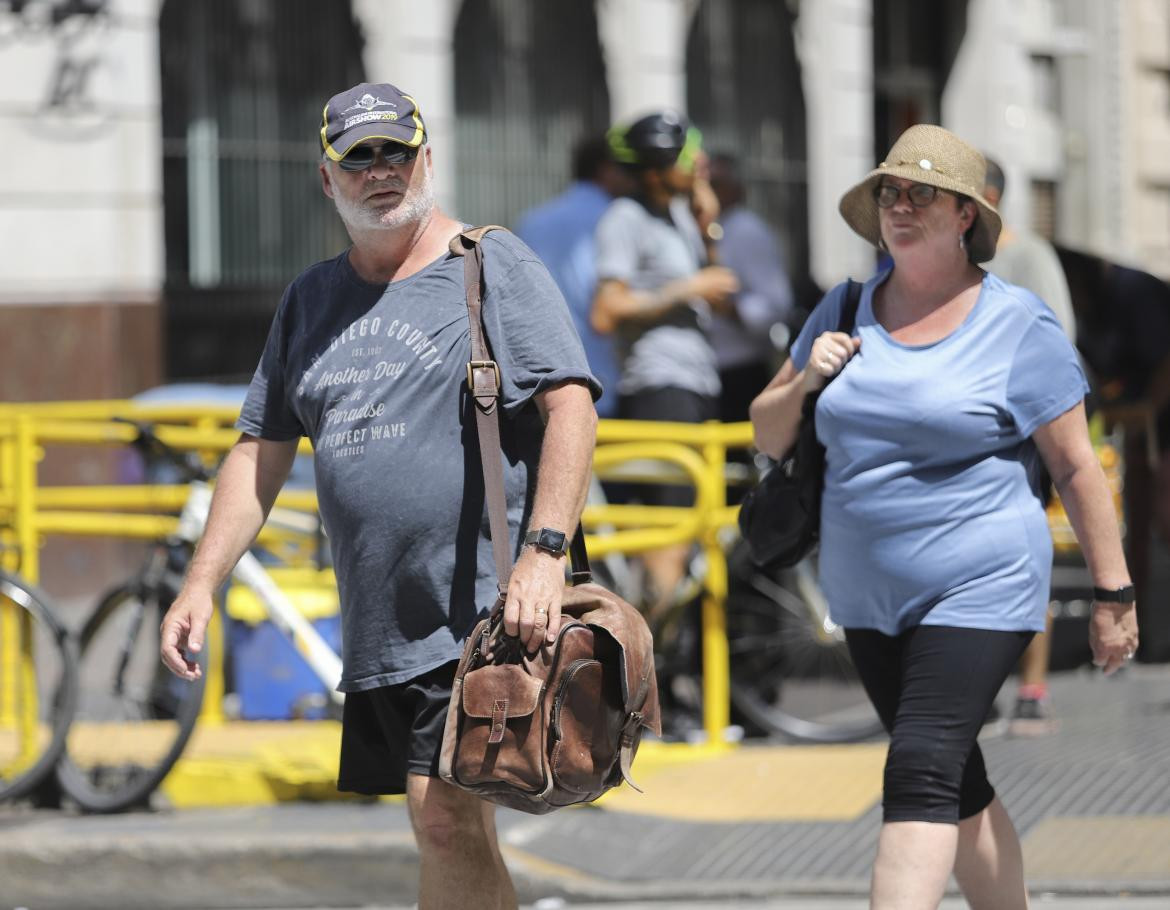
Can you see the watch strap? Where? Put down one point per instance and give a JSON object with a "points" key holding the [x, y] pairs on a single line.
{"points": [[1123, 595]]}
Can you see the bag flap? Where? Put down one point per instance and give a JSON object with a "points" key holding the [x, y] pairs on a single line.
{"points": [[486, 688], [602, 609]]}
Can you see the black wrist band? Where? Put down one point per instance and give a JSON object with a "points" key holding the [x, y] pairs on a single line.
{"points": [[1124, 595]]}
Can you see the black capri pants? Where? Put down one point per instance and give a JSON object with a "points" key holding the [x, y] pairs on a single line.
{"points": [[932, 687]]}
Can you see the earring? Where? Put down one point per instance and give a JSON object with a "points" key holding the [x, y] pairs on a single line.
{"points": [[882, 244], [962, 242]]}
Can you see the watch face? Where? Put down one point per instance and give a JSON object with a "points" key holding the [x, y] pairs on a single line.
{"points": [[551, 540]]}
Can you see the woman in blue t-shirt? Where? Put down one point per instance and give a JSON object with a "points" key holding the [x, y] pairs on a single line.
{"points": [[935, 551]]}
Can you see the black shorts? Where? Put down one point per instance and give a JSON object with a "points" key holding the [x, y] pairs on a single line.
{"points": [[932, 687], [679, 405], [392, 731]]}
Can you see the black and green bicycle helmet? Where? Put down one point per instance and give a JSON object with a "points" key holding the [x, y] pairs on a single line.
{"points": [[657, 140]]}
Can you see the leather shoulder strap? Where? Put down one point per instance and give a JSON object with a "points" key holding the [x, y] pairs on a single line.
{"points": [[465, 240], [483, 383]]}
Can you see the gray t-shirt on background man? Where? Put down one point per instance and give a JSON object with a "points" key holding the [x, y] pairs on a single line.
{"points": [[1030, 262], [645, 252], [374, 375]]}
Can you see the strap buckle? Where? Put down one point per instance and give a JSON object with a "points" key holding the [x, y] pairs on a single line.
{"points": [[474, 365]]}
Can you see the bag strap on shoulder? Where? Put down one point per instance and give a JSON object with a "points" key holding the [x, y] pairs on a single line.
{"points": [[845, 323], [483, 384], [848, 319]]}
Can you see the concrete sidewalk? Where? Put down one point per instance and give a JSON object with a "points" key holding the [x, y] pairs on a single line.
{"points": [[1092, 803]]}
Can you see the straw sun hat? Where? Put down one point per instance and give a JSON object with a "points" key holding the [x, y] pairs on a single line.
{"points": [[928, 154]]}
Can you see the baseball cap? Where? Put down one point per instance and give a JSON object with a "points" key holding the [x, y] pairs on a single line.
{"points": [[370, 110]]}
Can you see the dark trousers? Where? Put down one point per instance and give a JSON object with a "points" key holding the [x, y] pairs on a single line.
{"points": [[932, 687]]}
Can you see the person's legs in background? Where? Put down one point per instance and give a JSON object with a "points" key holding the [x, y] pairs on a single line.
{"points": [[1032, 713], [665, 567]]}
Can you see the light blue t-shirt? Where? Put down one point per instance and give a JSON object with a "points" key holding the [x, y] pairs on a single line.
{"points": [[931, 513]]}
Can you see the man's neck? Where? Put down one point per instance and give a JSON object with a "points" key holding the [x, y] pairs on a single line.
{"points": [[383, 256]]}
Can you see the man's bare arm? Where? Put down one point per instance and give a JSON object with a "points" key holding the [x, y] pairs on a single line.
{"points": [[247, 485], [562, 483]]}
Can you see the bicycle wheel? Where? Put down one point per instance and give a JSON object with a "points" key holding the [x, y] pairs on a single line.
{"points": [[791, 673], [134, 717], [38, 687]]}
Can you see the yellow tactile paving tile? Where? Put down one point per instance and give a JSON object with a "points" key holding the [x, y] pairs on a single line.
{"points": [[806, 783], [241, 763], [1100, 848]]}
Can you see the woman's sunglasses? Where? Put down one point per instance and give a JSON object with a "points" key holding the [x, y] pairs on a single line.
{"points": [[920, 194], [361, 157]]}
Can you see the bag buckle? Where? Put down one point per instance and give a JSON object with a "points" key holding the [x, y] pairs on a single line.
{"points": [[474, 365]]}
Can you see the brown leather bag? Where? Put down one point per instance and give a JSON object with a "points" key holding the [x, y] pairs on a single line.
{"points": [[540, 731]]}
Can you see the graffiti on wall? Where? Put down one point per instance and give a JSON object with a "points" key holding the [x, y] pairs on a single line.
{"points": [[75, 36]]}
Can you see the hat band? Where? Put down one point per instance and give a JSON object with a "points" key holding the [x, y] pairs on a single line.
{"points": [[930, 167]]}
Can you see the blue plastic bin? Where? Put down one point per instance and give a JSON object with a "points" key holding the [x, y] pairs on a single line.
{"points": [[272, 680]]}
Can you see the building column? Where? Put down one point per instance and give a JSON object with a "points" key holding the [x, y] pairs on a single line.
{"points": [[409, 44], [1004, 99], [835, 46], [644, 43]]}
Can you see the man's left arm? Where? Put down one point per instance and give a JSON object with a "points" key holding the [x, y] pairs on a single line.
{"points": [[533, 606]]}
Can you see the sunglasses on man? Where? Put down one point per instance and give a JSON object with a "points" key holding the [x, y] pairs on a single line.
{"points": [[361, 157], [920, 194]]}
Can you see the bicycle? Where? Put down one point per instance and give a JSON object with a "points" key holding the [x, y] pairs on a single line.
{"points": [[135, 719], [38, 687], [791, 673]]}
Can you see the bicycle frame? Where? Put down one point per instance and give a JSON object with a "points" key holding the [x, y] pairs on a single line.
{"points": [[320, 657]]}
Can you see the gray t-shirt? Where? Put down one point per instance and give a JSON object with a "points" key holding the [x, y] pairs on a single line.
{"points": [[374, 375], [645, 252]]}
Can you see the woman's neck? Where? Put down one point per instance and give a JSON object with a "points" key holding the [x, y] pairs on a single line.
{"points": [[922, 286]]}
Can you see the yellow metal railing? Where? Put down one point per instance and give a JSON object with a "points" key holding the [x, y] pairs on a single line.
{"points": [[694, 454]]}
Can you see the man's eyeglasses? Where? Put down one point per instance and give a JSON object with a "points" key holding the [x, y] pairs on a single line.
{"points": [[361, 157], [920, 194]]}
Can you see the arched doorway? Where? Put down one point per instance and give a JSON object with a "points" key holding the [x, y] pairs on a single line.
{"points": [[744, 91], [529, 82]]}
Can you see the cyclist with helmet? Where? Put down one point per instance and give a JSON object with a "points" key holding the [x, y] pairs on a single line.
{"points": [[656, 291]]}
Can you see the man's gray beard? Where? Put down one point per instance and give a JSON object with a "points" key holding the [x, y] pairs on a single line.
{"points": [[416, 203]]}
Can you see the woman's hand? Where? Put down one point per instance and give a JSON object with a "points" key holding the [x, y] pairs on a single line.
{"points": [[829, 354], [1113, 635]]}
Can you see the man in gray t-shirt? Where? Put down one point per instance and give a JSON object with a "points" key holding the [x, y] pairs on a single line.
{"points": [[367, 357], [656, 290]]}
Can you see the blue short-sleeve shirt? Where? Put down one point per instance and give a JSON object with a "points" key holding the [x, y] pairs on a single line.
{"points": [[931, 511]]}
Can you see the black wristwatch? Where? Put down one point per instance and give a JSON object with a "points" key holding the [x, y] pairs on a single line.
{"points": [[548, 539], [1124, 595]]}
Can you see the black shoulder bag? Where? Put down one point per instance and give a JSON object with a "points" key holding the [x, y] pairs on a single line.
{"points": [[780, 518]]}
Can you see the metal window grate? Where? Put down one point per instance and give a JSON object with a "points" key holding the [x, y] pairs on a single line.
{"points": [[744, 92], [243, 84], [530, 82]]}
